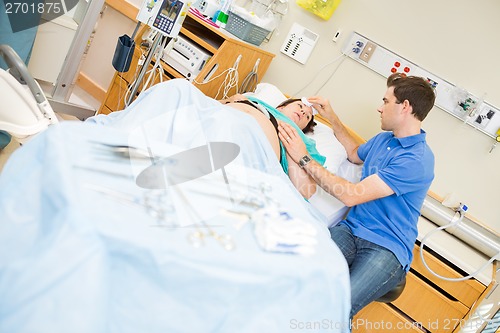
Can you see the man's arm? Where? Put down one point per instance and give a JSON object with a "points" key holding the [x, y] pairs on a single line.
{"points": [[370, 188], [350, 194]]}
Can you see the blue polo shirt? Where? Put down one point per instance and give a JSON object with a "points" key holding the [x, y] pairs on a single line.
{"points": [[406, 165]]}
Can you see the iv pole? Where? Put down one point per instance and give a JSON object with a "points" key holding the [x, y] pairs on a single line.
{"points": [[166, 17], [144, 68]]}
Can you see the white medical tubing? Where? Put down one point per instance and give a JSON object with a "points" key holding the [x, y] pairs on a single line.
{"points": [[454, 221]]}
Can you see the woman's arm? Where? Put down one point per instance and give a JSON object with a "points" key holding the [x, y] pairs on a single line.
{"points": [[370, 188]]}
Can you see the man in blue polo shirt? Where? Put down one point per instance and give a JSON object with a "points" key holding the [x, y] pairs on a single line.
{"points": [[379, 232]]}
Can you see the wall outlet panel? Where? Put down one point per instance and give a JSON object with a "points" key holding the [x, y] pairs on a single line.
{"points": [[450, 98], [299, 43], [367, 52]]}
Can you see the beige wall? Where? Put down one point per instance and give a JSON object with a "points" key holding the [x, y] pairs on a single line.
{"points": [[454, 39], [97, 63]]}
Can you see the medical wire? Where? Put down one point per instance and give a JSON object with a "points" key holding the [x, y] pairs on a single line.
{"points": [[140, 63], [150, 78], [214, 78], [157, 49], [479, 314], [250, 81], [319, 71], [136, 70], [453, 222], [230, 80], [331, 75], [157, 65]]}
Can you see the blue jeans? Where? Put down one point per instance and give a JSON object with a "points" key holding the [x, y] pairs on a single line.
{"points": [[373, 269]]}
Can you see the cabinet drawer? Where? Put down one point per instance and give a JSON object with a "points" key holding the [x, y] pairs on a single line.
{"points": [[467, 292], [429, 306], [131, 73], [104, 110], [116, 94], [380, 317]]}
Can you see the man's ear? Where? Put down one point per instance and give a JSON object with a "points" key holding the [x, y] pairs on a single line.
{"points": [[407, 108]]}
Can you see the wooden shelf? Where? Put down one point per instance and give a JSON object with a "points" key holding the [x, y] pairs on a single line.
{"points": [[209, 47], [223, 48]]}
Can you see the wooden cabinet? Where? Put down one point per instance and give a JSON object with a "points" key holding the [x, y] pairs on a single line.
{"points": [[224, 50], [427, 304]]}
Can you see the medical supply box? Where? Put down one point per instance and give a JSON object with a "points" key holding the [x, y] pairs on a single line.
{"points": [[245, 30]]}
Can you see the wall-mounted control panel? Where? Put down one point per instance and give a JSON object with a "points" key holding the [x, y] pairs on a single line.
{"points": [[299, 43], [452, 99]]}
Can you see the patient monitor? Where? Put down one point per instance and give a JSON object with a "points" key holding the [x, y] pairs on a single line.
{"points": [[166, 16]]}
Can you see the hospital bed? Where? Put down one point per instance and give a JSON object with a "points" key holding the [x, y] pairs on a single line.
{"points": [[25, 110], [85, 247]]}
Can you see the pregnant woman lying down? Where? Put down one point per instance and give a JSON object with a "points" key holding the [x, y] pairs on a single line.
{"points": [[294, 112], [174, 111]]}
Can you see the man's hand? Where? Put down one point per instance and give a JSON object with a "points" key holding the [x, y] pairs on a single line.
{"points": [[293, 143], [322, 105]]}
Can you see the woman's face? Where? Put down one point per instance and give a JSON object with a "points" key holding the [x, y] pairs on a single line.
{"points": [[299, 113]]}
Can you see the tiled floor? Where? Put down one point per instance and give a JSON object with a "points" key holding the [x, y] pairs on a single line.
{"points": [[78, 97]]}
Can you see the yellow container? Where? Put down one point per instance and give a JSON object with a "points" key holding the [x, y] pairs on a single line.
{"points": [[322, 8]]}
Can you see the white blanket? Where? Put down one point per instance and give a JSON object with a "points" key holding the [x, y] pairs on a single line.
{"points": [[75, 259]]}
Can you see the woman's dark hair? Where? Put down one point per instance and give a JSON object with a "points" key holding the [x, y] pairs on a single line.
{"points": [[310, 125]]}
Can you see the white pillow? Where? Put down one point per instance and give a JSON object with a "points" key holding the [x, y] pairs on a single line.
{"points": [[268, 93], [328, 146]]}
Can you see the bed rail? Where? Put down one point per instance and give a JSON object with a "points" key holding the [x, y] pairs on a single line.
{"points": [[20, 72]]}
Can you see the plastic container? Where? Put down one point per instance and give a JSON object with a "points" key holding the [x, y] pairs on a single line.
{"points": [[245, 30], [123, 53], [321, 8]]}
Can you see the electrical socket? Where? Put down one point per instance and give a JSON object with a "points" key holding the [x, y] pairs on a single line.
{"points": [[367, 52]]}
